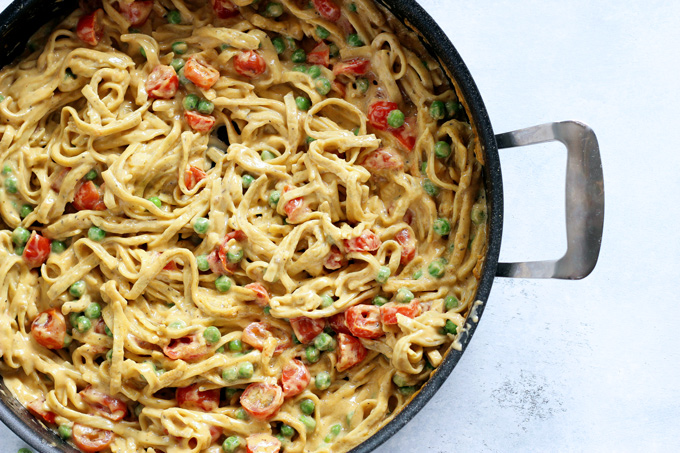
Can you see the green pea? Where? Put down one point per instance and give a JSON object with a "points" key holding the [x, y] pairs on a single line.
{"points": [[231, 443], [236, 345], [11, 182], [314, 71], [241, 414], [356, 131], [354, 40], [399, 380], [353, 7], [477, 214], [299, 56], [2, 98], [287, 431], [20, 236], [437, 268], [408, 390], [182, 78], [180, 47], [73, 318], [19, 250], [108, 332], [83, 324], [333, 433], [417, 274], [437, 110], [174, 17], [224, 46], [383, 274], [247, 180], [190, 102], [176, 325], [91, 175], [93, 311], [202, 263], [201, 225], [380, 301], [77, 289], [442, 227], [65, 432], [430, 188], [362, 84], [142, 52], [452, 108], [326, 300], [25, 211], [442, 150], [245, 370], [177, 64], [7, 168], [219, 350], [267, 155], [230, 374], [303, 103], [156, 201], [450, 302], [58, 246], [212, 334], [300, 68], [322, 85], [322, 380], [295, 339], [322, 33], [138, 410], [230, 392], [273, 10], [223, 283], [279, 45], [309, 422], [274, 198], [96, 234], [333, 50], [423, 167], [404, 296], [307, 406], [67, 340], [205, 106], [309, 140], [324, 342], [312, 354], [396, 118], [450, 327], [234, 254]]}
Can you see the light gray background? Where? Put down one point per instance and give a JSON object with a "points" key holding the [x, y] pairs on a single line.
{"points": [[570, 366]]}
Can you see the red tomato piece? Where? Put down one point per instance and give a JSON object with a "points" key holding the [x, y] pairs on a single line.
{"points": [[185, 348], [368, 241], [350, 351], [239, 235], [294, 377], [103, 404], [327, 9], [215, 433], [335, 259], [261, 294], [383, 159], [339, 323], [339, 87], [200, 73], [257, 333], [320, 55], [88, 197], [377, 114], [199, 122], [90, 29], [262, 443], [193, 398], [353, 67], [408, 245], [406, 135], [408, 217], [49, 329], [388, 312], [91, 440], [39, 409], [250, 64], [136, 12], [262, 400], [295, 209], [224, 9], [364, 321], [171, 266], [37, 250], [192, 176], [100, 327], [306, 329], [162, 83]]}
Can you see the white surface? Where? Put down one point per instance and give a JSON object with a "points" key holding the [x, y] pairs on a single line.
{"points": [[570, 366]]}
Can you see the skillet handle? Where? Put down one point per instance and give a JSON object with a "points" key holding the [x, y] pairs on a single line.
{"points": [[584, 200]]}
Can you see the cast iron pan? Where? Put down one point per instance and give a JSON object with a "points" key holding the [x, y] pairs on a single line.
{"points": [[584, 199]]}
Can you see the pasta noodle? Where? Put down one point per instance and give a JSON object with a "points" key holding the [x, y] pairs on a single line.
{"points": [[249, 225]]}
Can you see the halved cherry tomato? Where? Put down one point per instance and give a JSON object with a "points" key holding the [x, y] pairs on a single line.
{"points": [[162, 83], [49, 329], [295, 209], [103, 404], [350, 351], [224, 9], [262, 443], [193, 398], [192, 176], [353, 67], [335, 259], [408, 245], [262, 400], [388, 312], [218, 258], [88, 197], [377, 114], [339, 323], [294, 378], [306, 329], [320, 54], [261, 294], [383, 159], [364, 321], [91, 440], [171, 266], [200, 73], [250, 64], [199, 122], [406, 135], [136, 12], [39, 409], [327, 9], [257, 333], [37, 250], [368, 241], [90, 28], [185, 348]]}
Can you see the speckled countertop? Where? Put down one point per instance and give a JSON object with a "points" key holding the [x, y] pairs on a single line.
{"points": [[589, 365]]}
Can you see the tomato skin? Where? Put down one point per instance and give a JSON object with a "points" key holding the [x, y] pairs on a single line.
{"points": [[296, 208], [388, 312], [320, 55], [408, 245], [250, 64], [327, 9], [103, 404], [185, 348], [262, 400], [339, 323], [224, 9], [364, 321], [37, 250], [262, 443], [377, 114], [349, 351], [37, 408], [383, 159], [193, 398], [192, 176], [257, 333], [368, 241], [261, 294], [306, 329], [294, 378], [353, 67], [199, 122], [200, 73], [334, 260], [91, 440], [162, 82], [406, 135], [49, 329], [136, 12], [88, 197], [90, 29]]}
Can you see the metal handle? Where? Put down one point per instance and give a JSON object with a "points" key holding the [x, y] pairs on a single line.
{"points": [[584, 200]]}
